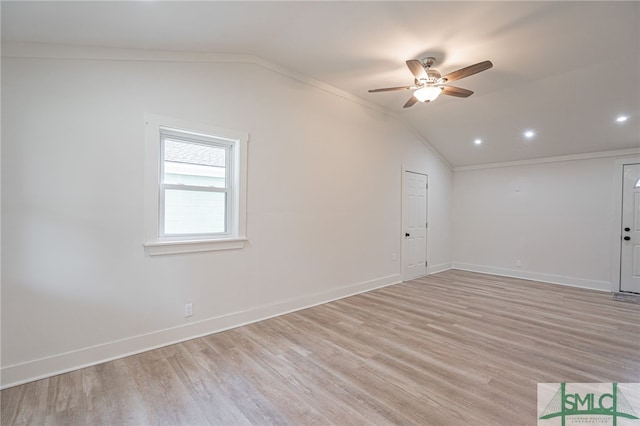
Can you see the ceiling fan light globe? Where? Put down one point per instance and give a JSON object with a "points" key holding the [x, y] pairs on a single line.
{"points": [[428, 93]]}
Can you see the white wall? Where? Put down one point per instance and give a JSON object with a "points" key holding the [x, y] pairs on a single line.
{"points": [[558, 224], [323, 205]]}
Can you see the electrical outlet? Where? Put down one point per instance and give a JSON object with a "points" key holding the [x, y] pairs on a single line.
{"points": [[518, 264], [188, 310], [393, 257]]}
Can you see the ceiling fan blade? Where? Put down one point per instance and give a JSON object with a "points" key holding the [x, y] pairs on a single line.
{"points": [[417, 69], [467, 71], [456, 91], [391, 89], [411, 102]]}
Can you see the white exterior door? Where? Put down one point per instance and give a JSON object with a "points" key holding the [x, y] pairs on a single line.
{"points": [[630, 240], [414, 225]]}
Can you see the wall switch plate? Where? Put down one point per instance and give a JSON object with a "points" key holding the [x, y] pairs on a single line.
{"points": [[188, 310]]}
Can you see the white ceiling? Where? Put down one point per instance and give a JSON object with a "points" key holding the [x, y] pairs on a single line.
{"points": [[564, 69]]}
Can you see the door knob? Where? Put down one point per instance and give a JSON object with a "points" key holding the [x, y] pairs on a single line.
{"points": [[627, 238], [406, 234], [627, 229]]}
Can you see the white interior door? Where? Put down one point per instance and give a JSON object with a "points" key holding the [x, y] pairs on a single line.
{"points": [[414, 225], [630, 240]]}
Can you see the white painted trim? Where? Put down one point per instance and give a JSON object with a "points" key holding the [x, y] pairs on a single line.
{"points": [[62, 51], [438, 268], [16, 374], [51, 51], [535, 276], [195, 246], [616, 223], [587, 156], [156, 245]]}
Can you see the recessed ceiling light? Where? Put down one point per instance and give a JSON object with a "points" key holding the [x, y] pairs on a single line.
{"points": [[529, 134], [477, 141], [622, 118]]}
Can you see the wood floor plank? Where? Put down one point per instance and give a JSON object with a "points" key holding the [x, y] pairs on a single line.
{"points": [[25, 404], [448, 349], [242, 353], [204, 388], [164, 398], [315, 386]]}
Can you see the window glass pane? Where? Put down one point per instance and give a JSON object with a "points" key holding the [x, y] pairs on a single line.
{"points": [[194, 164], [194, 212]]}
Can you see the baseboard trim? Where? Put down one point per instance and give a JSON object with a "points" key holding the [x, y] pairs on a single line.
{"points": [[17, 374], [535, 276], [438, 268]]}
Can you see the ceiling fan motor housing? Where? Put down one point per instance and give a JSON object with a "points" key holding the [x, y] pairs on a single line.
{"points": [[433, 75]]}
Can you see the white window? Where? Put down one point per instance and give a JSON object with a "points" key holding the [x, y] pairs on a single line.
{"points": [[195, 187]]}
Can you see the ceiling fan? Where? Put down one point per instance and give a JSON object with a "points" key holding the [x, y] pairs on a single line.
{"points": [[430, 84]]}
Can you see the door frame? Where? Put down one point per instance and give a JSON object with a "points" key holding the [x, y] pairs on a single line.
{"points": [[403, 194], [617, 220]]}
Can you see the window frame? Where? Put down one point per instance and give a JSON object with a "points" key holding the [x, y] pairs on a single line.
{"points": [[204, 140], [156, 241]]}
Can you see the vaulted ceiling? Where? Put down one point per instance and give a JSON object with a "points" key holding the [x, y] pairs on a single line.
{"points": [[566, 70]]}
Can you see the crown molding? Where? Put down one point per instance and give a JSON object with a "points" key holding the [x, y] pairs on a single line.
{"points": [[57, 51], [545, 160]]}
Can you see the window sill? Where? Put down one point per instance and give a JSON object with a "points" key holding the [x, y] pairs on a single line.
{"points": [[157, 248]]}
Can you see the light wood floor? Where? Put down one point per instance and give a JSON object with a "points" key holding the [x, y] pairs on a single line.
{"points": [[455, 348]]}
